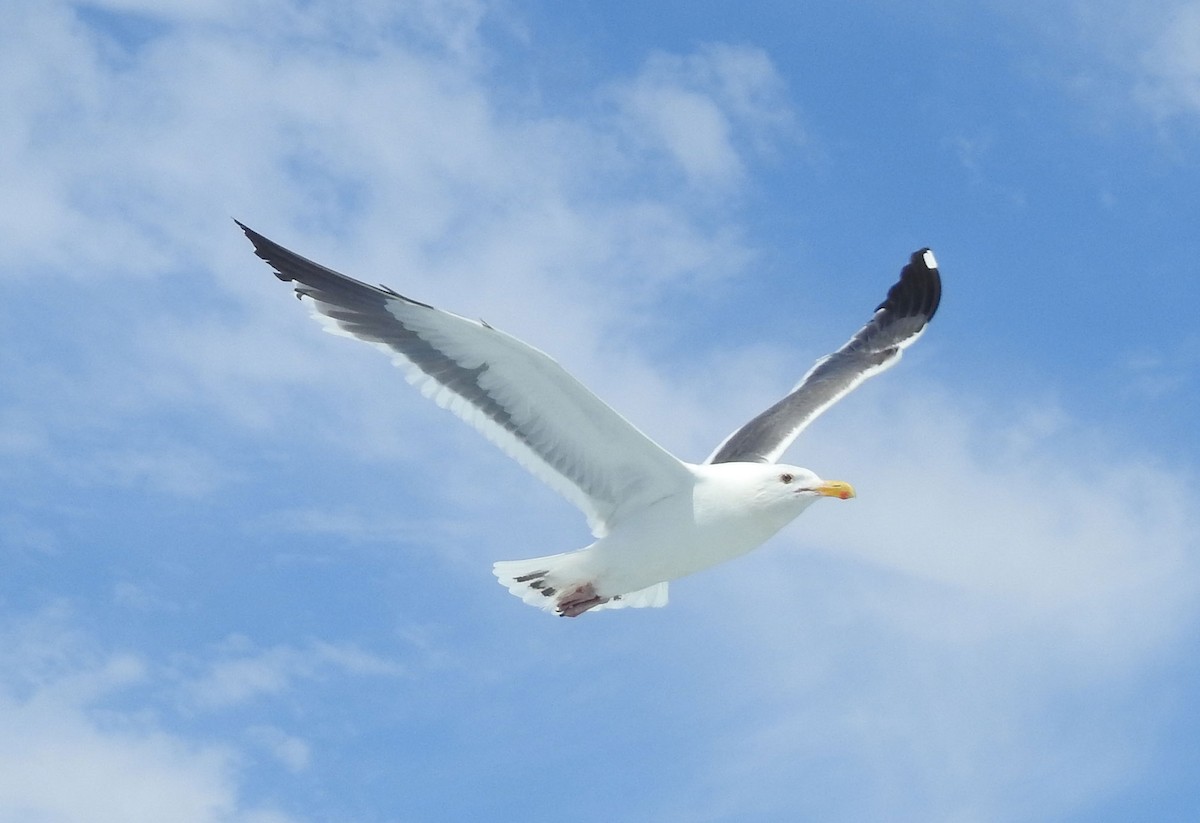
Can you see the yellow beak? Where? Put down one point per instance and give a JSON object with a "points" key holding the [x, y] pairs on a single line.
{"points": [[836, 488]]}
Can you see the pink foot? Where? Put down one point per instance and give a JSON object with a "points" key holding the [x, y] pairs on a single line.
{"points": [[579, 600]]}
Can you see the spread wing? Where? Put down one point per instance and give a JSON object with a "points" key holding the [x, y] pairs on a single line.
{"points": [[518, 397], [898, 322]]}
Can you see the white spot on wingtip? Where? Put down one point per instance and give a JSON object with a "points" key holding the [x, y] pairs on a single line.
{"points": [[930, 260]]}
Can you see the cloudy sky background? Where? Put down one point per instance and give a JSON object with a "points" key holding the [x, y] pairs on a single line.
{"points": [[246, 570]]}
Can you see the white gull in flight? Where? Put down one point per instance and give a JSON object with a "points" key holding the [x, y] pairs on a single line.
{"points": [[655, 517]]}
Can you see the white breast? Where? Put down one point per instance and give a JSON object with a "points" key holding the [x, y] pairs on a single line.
{"points": [[724, 515]]}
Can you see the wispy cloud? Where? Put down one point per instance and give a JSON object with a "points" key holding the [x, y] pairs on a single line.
{"points": [[910, 654], [242, 672], [65, 754], [343, 160], [964, 641], [701, 109], [290, 750], [1141, 62], [1171, 62]]}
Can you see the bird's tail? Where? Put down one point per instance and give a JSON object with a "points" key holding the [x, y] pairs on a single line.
{"points": [[546, 582]]}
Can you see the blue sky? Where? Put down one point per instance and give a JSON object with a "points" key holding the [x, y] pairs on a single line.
{"points": [[247, 569]]}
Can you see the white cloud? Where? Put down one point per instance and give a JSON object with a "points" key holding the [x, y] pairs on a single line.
{"points": [[1171, 63], [170, 469], [244, 672], [987, 571], [21, 533], [293, 752], [701, 108], [58, 765], [66, 756], [1158, 373], [132, 156], [141, 598], [1059, 522], [1140, 61], [169, 10], [691, 128], [909, 654]]}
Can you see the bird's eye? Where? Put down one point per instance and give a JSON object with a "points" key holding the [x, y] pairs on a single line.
{"points": [[787, 477]]}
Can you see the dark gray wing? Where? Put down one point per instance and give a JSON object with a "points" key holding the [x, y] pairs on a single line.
{"points": [[898, 322], [518, 397]]}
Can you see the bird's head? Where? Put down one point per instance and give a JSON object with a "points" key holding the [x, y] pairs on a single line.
{"points": [[796, 482], [778, 486]]}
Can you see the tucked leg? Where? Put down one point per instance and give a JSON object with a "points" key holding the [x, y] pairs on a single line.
{"points": [[578, 600]]}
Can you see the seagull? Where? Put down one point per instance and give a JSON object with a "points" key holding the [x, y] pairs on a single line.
{"points": [[655, 518]]}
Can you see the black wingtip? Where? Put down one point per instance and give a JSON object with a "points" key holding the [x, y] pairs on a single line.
{"points": [[293, 268], [249, 232], [918, 292], [923, 257], [268, 250]]}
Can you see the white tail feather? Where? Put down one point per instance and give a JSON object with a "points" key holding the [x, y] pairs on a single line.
{"points": [[540, 581]]}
